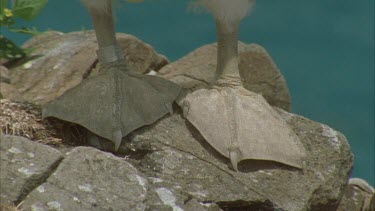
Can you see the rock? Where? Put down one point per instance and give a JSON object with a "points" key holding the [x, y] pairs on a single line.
{"points": [[169, 166], [329, 163], [259, 73], [24, 166], [4, 75], [140, 56], [358, 196], [61, 61], [194, 205], [177, 155], [4, 207], [88, 179], [8, 91]]}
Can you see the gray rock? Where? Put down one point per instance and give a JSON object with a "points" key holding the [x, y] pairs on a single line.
{"points": [[88, 179], [61, 61], [140, 56], [358, 196], [183, 163], [4, 74], [257, 69], [24, 165], [169, 166], [329, 163], [194, 205], [8, 91]]}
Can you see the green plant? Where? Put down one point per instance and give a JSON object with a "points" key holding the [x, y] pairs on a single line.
{"points": [[10, 11]]}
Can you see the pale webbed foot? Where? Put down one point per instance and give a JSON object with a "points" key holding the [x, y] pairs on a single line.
{"points": [[241, 125]]}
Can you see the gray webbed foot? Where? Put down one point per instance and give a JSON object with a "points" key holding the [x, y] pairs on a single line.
{"points": [[114, 103]]}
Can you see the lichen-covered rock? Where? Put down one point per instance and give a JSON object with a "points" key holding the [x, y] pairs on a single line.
{"points": [[4, 74], [358, 196], [88, 179], [8, 91], [140, 56], [24, 165], [328, 163], [185, 164], [169, 166], [61, 61], [257, 69]]}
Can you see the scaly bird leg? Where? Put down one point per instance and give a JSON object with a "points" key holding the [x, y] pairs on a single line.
{"points": [[227, 72], [102, 19], [116, 101]]}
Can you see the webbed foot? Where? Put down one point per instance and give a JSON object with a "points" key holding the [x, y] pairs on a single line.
{"points": [[115, 102], [241, 125]]}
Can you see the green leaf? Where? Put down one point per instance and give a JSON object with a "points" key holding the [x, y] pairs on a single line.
{"points": [[9, 50], [3, 5], [5, 21], [28, 9], [24, 30]]}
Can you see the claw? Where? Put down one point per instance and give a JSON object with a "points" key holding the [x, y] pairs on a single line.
{"points": [[234, 158], [117, 137]]}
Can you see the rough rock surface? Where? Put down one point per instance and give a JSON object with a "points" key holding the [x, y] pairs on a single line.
{"points": [[88, 179], [358, 196], [7, 90], [4, 74], [24, 165], [257, 69], [140, 56], [169, 166], [61, 61], [184, 163]]}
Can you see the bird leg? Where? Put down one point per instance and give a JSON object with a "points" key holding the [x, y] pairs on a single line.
{"points": [[227, 72], [116, 101], [109, 52], [102, 19]]}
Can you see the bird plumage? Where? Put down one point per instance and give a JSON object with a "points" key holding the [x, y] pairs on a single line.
{"points": [[227, 11], [102, 5]]}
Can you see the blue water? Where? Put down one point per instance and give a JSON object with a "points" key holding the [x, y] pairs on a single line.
{"points": [[324, 48]]}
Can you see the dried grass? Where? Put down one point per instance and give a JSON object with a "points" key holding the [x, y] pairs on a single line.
{"points": [[25, 119], [4, 207]]}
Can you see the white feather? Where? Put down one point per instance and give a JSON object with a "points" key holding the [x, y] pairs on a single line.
{"points": [[228, 11], [100, 5]]}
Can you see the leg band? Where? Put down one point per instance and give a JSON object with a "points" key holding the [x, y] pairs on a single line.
{"points": [[110, 54]]}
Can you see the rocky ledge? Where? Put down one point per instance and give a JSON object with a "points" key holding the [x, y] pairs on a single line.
{"points": [[164, 166]]}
